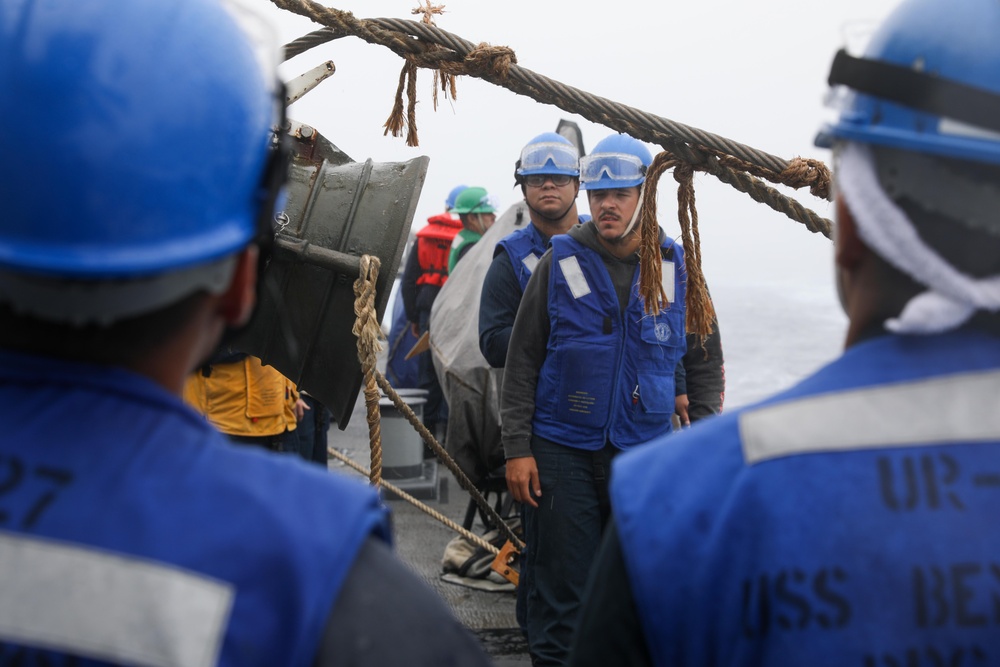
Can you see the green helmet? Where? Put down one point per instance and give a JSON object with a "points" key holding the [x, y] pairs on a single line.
{"points": [[473, 200]]}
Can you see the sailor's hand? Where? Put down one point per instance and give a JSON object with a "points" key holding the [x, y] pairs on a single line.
{"points": [[522, 479], [681, 404]]}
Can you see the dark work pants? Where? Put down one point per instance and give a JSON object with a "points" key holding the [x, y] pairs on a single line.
{"points": [[563, 535], [435, 409], [285, 443], [311, 432]]}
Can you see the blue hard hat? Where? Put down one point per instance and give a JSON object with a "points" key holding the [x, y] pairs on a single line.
{"points": [[548, 153], [137, 136], [449, 203], [929, 82], [618, 161]]}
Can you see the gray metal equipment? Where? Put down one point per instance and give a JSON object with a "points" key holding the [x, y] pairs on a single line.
{"points": [[337, 211]]}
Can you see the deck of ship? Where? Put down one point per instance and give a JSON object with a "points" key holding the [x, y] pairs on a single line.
{"points": [[421, 540]]}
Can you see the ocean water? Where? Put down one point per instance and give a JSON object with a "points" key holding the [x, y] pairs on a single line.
{"points": [[774, 334]]}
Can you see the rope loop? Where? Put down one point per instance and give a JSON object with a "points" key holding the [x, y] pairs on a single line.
{"points": [[369, 334], [700, 311]]}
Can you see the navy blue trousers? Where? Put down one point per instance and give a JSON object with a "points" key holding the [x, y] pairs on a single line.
{"points": [[563, 535]]}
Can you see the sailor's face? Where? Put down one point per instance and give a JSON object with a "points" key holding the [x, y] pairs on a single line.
{"points": [[612, 210], [549, 199]]}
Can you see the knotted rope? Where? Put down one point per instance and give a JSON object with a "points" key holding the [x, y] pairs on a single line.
{"points": [[369, 334], [798, 173], [446, 81], [426, 45], [700, 311]]}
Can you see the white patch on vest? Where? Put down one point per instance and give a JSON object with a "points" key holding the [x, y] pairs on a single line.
{"points": [[667, 280], [574, 277], [530, 262], [953, 408], [109, 607], [662, 331]]}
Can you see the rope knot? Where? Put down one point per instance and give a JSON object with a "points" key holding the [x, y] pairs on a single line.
{"points": [[488, 60], [806, 171], [683, 173]]}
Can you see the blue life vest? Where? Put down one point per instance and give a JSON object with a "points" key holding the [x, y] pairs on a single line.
{"points": [[131, 532], [524, 247], [607, 377], [851, 520]]}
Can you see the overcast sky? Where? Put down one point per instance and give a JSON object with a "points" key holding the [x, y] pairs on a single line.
{"points": [[753, 72]]}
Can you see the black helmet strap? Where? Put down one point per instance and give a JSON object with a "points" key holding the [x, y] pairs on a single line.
{"points": [[918, 90]]}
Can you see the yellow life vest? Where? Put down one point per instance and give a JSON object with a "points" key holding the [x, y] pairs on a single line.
{"points": [[243, 397]]}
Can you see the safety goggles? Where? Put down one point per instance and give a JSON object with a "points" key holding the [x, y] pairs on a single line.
{"points": [[615, 167], [557, 156], [538, 180]]}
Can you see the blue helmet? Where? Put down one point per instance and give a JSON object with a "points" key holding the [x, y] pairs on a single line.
{"points": [[929, 82], [137, 137], [449, 203], [548, 153], [618, 161]]}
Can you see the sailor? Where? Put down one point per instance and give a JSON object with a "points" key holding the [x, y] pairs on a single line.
{"points": [[425, 274], [548, 172], [477, 213], [132, 531], [852, 519], [589, 373]]}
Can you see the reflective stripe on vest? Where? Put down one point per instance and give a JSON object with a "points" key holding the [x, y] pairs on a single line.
{"points": [[80, 600]]}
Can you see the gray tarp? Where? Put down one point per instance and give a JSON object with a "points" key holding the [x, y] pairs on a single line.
{"points": [[471, 387]]}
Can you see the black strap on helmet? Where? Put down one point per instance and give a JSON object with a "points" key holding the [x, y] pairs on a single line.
{"points": [[918, 90]]}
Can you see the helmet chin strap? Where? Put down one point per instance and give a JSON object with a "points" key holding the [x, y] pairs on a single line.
{"points": [[635, 214]]}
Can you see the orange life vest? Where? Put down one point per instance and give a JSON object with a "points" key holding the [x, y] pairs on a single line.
{"points": [[434, 247]]}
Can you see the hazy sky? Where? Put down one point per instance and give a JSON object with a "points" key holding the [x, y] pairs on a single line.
{"points": [[753, 72]]}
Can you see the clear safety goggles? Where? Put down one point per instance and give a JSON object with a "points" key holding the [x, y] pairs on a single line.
{"points": [[613, 166], [557, 155]]}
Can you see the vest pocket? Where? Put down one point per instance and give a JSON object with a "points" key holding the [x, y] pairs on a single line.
{"points": [[656, 396], [586, 380]]}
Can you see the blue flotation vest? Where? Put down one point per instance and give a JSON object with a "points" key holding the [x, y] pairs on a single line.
{"points": [[133, 533], [850, 520], [607, 376], [524, 248]]}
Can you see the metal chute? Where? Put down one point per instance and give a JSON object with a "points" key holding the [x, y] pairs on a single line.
{"points": [[337, 211]]}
